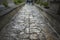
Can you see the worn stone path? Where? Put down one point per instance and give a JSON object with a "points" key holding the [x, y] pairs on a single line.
{"points": [[28, 24]]}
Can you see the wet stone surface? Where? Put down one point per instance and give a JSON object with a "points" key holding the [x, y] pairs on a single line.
{"points": [[28, 24]]}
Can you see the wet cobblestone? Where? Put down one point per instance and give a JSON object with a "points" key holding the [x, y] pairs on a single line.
{"points": [[28, 24]]}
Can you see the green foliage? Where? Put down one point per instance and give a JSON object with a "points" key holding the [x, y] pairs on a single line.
{"points": [[40, 2], [5, 4], [45, 4], [37, 2], [18, 1]]}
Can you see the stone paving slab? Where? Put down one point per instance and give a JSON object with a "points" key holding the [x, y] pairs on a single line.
{"points": [[28, 24]]}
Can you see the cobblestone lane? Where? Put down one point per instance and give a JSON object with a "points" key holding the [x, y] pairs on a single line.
{"points": [[28, 24]]}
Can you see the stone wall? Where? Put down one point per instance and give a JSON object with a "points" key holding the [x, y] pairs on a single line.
{"points": [[54, 21], [54, 6], [53, 14], [1, 1], [58, 10]]}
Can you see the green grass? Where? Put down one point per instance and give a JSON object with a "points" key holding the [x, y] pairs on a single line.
{"points": [[45, 4], [18, 1], [5, 4], [40, 2]]}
